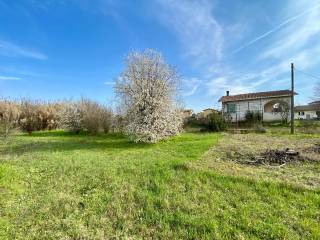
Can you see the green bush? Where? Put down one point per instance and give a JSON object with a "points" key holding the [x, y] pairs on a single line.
{"points": [[253, 118], [214, 122]]}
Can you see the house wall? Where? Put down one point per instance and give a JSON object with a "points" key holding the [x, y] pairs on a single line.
{"points": [[313, 115], [255, 105]]}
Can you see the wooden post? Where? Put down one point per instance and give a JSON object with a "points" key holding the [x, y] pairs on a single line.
{"points": [[292, 98]]}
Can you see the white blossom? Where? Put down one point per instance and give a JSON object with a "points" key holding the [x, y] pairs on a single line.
{"points": [[148, 90]]}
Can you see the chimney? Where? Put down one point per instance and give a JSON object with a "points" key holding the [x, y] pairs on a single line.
{"points": [[227, 93]]}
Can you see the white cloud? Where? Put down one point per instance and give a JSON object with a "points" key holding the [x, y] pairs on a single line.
{"points": [[13, 50], [9, 78]]}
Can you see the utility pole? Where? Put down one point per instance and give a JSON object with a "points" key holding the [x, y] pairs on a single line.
{"points": [[292, 98]]}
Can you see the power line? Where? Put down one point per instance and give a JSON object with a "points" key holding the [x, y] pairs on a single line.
{"points": [[308, 74]]}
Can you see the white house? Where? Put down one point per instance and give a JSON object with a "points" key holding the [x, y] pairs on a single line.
{"points": [[234, 107], [310, 111]]}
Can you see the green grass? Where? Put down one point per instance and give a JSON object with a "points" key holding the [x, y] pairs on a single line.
{"points": [[60, 186]]}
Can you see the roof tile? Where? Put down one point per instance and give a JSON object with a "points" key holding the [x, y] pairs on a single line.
{"points": [[257, 95]]}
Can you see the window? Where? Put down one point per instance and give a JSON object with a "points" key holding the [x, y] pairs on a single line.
{"points": [[231, 108]]}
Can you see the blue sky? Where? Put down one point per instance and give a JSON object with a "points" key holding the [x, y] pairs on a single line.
{"points": [[61, 49]]}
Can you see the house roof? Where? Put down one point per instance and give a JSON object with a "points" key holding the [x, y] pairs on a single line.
{"points": [[257, 95], [209, 109], [310, 107], [315, 102]]}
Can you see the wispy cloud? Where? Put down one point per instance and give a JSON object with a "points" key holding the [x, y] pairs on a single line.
{"points": [[296, 39], [190, 86], [219, 85], [13, 50], [196, 27], [9, 78], [277, 28], [249, 82], [109, 83]]}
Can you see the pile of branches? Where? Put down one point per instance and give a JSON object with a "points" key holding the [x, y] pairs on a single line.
{"points": [[270, 157]]}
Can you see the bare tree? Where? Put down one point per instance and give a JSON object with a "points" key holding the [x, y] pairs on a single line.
{"points": [[96, 117], [283, 109], [30, 117], [148, 93]]}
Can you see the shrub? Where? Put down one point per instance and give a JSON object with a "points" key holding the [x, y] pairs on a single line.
{"points": [[85, 115], [91, 114], [106, 119], [52, 115], [214, 122], [253, 118], [31, 117], [118, 123], [96, 117], [47, 114], [9, 117]]}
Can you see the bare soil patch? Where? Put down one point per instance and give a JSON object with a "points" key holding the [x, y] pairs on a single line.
{"points": [[285, 159], [270, 151]]}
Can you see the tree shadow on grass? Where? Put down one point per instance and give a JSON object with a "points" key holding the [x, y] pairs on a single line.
{"points": [[60, 133], [72, 142]]}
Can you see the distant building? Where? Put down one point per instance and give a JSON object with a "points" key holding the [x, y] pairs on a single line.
{"points": [[310, 111], [205, 112], [235, 107], [187, 113]]}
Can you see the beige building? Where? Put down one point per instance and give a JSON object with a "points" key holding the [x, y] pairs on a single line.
{"points": [[205, 112], [186, 113], [310, 111]]}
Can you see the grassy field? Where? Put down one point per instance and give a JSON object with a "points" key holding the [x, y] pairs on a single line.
{"points": [[59, 186]]}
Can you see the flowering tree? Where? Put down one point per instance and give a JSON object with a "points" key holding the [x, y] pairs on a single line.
{"points": [[71, 117], [148, 90]]}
